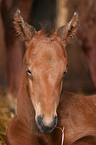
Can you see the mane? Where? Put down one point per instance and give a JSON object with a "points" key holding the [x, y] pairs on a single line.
{"points": [[46, 29]]}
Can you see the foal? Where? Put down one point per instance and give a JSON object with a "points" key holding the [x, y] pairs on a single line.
{"points": [[39, 106]]}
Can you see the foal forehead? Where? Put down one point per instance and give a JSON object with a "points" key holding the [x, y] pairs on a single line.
{"points": [[47, 48], [46, 53]]}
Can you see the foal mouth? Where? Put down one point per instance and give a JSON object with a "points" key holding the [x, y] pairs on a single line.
{"points": [[46, 128]]}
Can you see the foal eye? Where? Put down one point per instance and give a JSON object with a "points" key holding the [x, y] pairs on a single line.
{"points": [[30, 75], [29, 72], [65, 72]]}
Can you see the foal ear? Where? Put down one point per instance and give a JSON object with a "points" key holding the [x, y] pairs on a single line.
{"points": [[25, 30], [68, 30]]}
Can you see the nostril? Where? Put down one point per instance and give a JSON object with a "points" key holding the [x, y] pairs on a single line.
{"points": [[55, 120], [40, 120]]}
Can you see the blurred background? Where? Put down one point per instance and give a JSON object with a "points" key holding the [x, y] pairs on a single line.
{"points": [[81, 76]]}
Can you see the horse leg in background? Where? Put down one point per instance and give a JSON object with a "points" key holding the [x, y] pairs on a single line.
{"points": [[13, 44], [88, 40]]}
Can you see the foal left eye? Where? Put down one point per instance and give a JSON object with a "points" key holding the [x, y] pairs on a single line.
{"points": [[64, 74]]}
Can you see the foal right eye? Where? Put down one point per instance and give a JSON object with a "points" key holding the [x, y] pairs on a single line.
{"points": [[29, 72], [30, 75]]}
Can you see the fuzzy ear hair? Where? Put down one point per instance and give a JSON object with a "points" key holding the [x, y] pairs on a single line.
{"points": [[68, 30], [25, 30]]}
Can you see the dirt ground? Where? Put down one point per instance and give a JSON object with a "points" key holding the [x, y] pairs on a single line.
{"points": [[5, 117]]}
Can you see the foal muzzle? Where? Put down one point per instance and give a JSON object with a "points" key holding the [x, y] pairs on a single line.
{"points": [[43, 127]]}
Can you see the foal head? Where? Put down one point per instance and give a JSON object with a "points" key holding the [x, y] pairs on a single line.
{"points": [[46, 62]]}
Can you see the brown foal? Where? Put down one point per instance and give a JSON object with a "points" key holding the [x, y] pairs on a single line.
{"points": [[42, 110]]}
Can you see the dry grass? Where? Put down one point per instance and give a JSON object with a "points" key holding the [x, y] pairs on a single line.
{"points": [[5, 117]]}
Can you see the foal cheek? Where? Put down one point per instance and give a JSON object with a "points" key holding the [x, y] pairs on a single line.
{"points": [[30, 86], [31, 92], [61, 87]]}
